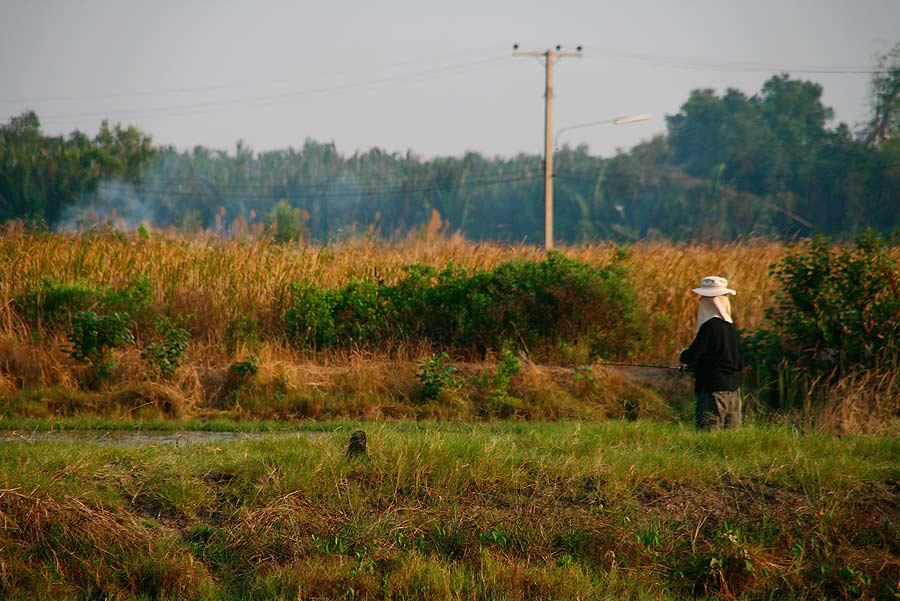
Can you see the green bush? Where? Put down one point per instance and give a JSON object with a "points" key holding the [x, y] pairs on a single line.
{"points": [[493, 387], [243, 330], [93, 337], [309, 318], [240, 375], [244, 371], [361, 312], [285, 223], [167, 355], [837, 310], [536, 304], [437, 377], [52, 304]]}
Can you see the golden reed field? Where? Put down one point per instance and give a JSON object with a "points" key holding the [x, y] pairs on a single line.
{"points": [[210, 282], [217, 280]]}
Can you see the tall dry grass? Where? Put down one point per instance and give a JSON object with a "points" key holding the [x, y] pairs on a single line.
{"points": [[213, 281], [209, 283]]}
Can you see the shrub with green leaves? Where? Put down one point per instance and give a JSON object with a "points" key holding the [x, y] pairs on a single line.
{"points": [[52, 304], [242, 330], [837, 309], [93, 337], [494, 387], [240, 374], [362, 312], [437, 375], [309, 317], [285, 223], [537, 304], [133, 297], [168, 355]]}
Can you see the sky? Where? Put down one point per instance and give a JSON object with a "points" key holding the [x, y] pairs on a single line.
{"points": [[430, 78]]}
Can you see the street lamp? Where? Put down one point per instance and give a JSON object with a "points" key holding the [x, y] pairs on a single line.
{"points": [[548, 168], [616, 121]]}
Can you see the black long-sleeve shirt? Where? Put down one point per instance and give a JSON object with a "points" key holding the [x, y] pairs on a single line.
{"points": [[715, 357]]}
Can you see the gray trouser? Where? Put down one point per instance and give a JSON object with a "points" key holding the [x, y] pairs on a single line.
{"points": [[715, 410]]}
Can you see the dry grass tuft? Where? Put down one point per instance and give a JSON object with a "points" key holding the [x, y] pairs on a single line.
{"points": [[547, 394], [864, 403], [150, 399], [7, 387], [94, 552], [24, 363]]}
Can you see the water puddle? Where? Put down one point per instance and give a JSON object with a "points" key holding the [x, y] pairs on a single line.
{"points": [[147, 437]]}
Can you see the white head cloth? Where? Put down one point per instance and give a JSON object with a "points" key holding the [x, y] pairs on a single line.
{"points": [[712, 307]]}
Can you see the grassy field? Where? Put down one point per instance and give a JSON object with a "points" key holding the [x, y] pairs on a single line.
{"points": [[229, 295], [631, 510], [519, 479], [211, 282]]}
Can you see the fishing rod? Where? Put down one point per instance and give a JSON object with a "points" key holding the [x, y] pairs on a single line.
{"points": [[673, 367]]}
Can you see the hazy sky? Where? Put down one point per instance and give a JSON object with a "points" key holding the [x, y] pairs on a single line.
{"points": [[437, 78]]}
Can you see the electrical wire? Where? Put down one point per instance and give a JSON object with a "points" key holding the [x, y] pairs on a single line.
{"points": [[310, 193], [253, 102], [175, 110], [619, 55], [176, 182], [584, 178], [339, 189], [254, 83], [724, 65]]}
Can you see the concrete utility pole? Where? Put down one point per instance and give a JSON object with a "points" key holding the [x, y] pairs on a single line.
{"points": [[550, 56]]}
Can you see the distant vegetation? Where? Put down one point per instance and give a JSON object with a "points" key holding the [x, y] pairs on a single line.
{"points": [[729, 165], [40, 176]]}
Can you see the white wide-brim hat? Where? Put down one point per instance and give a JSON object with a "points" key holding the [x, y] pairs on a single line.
{"points": [[713, 285]]}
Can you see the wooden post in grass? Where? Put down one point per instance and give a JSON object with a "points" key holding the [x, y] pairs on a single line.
{"points": [[357, 446]]}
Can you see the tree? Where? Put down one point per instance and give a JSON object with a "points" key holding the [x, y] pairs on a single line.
{"points": [[42, 175], [884, 90], [696, 133]]}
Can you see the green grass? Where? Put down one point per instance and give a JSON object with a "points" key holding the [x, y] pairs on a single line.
{"points": [[115, 424], [630, 510]]}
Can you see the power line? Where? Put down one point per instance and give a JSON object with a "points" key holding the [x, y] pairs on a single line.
{"points": [[340, 189], [705, 64], [586, 178], [316, 192], [174, 182], [206, 107], [700, 63], [253, 83]]}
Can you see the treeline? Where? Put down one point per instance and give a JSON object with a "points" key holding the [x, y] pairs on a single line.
{"points": [[729, 165], [42, 176]]}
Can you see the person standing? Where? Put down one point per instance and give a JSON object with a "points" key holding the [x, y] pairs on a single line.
{"points": [[715, 358]]}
